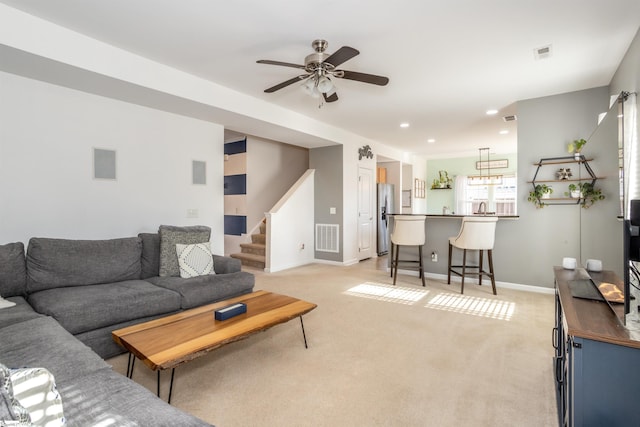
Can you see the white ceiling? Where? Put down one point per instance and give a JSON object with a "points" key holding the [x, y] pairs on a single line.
{"points": [[448, 62]]}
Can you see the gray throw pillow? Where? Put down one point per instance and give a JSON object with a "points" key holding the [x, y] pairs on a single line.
{"points": [[170, 236]]}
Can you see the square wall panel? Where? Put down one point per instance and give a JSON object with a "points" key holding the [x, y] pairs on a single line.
{"points": [[199, 172], [104, 164]]}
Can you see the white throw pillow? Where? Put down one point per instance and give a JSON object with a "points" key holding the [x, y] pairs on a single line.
{"points": [[35, 389], [195, 260], [5, 303]]}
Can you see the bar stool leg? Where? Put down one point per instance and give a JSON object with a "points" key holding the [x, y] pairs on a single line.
{"points": [[480, 267], [449, 266], [421, 266], [391, 259], [493, 278], [395, 274], [464, 269]]}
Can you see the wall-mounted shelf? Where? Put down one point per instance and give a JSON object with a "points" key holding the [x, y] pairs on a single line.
{"points": [[444, 188], [581, 161]]}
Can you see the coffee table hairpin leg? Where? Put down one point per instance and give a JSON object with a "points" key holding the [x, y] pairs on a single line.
{"points": [[130, 363], [173, 371], [303, 334]]}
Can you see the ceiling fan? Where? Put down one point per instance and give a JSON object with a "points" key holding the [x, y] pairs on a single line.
{"points": [[320, 68]]}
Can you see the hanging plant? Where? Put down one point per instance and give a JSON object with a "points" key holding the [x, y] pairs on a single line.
{"points": [[590, 194], [540, 192]]}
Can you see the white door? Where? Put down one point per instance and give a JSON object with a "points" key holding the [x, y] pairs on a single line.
{"points": [[365, 212]]}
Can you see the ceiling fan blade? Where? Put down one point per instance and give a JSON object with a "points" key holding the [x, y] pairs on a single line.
{"points": [[365, 78], [341, 55], [331, 98], [285, 84], [284, 64]]}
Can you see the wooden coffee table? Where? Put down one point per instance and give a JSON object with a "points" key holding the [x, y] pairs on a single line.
{"points": [[170, 341]]}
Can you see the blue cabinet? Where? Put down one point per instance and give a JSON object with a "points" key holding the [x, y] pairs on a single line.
{"points": [[597, 363]]}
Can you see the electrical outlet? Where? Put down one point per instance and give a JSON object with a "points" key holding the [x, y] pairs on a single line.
{"points": [[434, 256], [192, 213]]}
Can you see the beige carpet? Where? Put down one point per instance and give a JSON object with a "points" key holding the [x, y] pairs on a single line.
{"points": [[378, 356]]}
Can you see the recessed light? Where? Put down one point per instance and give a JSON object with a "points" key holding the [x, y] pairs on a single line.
{"points": [[404, 125], [491, 112], [431, 141], [503, 132]]}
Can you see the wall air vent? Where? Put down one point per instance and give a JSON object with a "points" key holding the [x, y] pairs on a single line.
{"points": [[511, 118], [327, 238], [543, 52]]}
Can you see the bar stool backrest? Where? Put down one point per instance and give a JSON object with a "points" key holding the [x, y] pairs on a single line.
{"points": [[408, 230], [476, 232]]}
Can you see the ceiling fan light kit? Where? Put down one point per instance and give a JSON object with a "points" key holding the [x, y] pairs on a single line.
{"points": [[320, 68]]}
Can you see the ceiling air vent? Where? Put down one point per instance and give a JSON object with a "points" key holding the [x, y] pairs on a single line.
{"points": [[511, 118], [543, 52]]}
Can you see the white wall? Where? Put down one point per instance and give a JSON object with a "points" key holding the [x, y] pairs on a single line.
{"points": [[47, 189], [291, 222]]}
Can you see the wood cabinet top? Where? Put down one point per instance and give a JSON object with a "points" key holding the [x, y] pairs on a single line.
{"points": [[592, 319]]}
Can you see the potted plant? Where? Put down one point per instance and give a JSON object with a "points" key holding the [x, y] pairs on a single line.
{"points": [[445, 181], [576, 146], [540, 192], [435, 184], [575, 191], [590, 194]]}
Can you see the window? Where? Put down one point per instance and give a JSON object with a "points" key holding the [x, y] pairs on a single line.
{"points": [[500, 199]]}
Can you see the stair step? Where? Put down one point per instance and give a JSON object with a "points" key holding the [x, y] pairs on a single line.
{"points": [[253, 248], [259, 238], [250, 260]]}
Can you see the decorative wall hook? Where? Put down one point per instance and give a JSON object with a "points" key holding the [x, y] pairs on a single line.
{"points": [[365, 151]]}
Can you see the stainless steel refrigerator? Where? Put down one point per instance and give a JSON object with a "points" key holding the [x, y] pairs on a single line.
{"points": [[385, 206]]}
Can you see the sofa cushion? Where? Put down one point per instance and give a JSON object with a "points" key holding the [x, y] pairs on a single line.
{"points": [[110, 399], [20, 312], [13, 276], [170, 236], [201, 290], [43, 342], [195, 260], [83, 308], [54, 263], [150, 255]]}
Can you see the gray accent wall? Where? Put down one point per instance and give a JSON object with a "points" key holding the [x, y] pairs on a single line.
{"points": [[327, 162], [542, 237]]}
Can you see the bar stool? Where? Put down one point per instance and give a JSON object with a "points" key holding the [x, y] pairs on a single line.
{"points": [[476, 233], [408, 230]]}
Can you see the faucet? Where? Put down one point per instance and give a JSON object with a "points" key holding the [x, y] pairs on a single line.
{"points": [[482, 208]]}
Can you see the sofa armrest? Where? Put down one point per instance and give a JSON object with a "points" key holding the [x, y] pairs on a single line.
{"points": [[224, 264]]}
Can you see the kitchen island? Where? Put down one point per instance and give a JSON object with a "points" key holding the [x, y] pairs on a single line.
{"points": [[439, 228]]}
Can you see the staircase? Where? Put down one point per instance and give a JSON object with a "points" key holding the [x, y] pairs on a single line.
{"points": [[253, 254]]}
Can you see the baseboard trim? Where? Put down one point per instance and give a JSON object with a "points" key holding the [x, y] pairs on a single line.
{"points": [[336, 263], [506, 285]]}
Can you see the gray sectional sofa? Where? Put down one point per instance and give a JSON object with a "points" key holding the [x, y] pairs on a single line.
{"points": [[70, 294]]}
